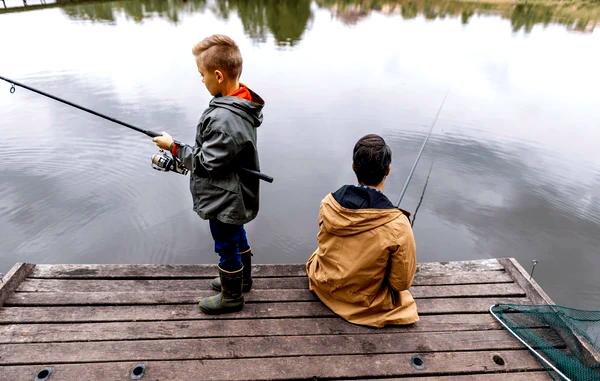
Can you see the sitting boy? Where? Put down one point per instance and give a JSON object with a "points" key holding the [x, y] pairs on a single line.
{"points": [[225, 141], [365, 261]]}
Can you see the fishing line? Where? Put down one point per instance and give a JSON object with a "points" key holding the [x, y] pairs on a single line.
{"points": [[149, 133], [414, 166], [412, 223]]}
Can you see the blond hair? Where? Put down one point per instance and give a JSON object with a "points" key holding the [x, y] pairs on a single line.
{"points": [[220, 52]]}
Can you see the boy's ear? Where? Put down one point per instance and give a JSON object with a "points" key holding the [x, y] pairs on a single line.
{"points": [[387, 170], [219, 75]]}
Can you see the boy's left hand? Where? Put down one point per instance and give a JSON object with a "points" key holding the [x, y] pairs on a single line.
{"points": [[164, 141]]}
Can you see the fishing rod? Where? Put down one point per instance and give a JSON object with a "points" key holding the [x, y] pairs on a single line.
{"points": [[161, 161], [414, 217], [414, 166]]}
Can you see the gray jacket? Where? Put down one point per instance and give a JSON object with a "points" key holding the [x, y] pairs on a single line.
{"points": [[225, 141]]}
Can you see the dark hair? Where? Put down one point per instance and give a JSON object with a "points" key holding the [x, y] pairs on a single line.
{"points": [[371, 158]]}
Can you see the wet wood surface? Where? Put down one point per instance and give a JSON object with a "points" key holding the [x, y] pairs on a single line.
{"points": [[100, 322]]}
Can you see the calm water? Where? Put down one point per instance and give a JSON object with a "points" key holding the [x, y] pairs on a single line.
{"points": [[514, 155]]}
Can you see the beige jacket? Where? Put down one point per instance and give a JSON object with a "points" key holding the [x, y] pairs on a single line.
{"points": [[364, 264]]}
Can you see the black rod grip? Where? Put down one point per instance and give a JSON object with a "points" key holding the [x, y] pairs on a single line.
{"points": [[260, 175]]}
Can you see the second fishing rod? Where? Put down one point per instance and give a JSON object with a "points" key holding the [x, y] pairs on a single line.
{"points": [[162, 161], [414, 166]]}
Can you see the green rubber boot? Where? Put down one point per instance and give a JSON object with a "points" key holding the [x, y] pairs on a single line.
{"points": [[215, 284], [230, 299]]}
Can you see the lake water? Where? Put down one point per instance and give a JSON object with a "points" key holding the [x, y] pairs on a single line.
{"points": [[514, 156]]}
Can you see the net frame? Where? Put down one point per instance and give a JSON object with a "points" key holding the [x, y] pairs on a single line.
{"points": [[535, 352]]}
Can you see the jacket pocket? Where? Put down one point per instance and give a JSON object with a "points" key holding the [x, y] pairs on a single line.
{"points": [[229, 183]]}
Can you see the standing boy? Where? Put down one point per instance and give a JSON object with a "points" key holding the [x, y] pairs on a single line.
{"points": [[225, 141], [365, 260]]}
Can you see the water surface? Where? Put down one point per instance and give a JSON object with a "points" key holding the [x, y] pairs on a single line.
{"points": [[514, 154]]}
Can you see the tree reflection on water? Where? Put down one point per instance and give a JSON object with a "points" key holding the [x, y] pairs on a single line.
{"points": [[577, 15], [287, 20]]}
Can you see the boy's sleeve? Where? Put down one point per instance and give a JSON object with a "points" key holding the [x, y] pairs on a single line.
{"points": [[185, 154], [218, 151], [403, 261]]}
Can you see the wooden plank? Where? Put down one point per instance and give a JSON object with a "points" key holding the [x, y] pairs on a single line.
{"points": [[265, 295], [138, 330], [477, 265], [13, 279], [138, 271], [150, 271], [250, 311], [578, 344], [286, 368], [524, 376], [256, 347], [146, 285], [521, 277]]}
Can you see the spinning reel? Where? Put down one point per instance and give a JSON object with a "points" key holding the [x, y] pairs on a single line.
{"points": [[164, 161]]}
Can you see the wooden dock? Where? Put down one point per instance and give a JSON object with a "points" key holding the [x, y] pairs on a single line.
{"points": [[140, 322]]}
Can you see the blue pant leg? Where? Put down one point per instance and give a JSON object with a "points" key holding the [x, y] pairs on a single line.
{"points": [[227, 238], [243, 241]]}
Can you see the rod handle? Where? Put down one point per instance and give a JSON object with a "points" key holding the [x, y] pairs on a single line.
{"points": [[260, 175]]}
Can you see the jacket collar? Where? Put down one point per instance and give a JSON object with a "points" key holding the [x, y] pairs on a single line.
{"points": [[361, 197]]}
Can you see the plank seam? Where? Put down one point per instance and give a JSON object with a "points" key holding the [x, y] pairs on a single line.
{"points": [[184, 277], [186, 319], [160, 303], [434, 375]]}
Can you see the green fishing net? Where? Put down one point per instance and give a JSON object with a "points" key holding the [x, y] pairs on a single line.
{"points": [[565, 340]]}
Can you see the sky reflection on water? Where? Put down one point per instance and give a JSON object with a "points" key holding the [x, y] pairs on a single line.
{"points": [[515, 158]]}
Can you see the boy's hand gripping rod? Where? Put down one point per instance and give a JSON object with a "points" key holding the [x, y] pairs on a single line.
{"points": [[149, 133]]}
